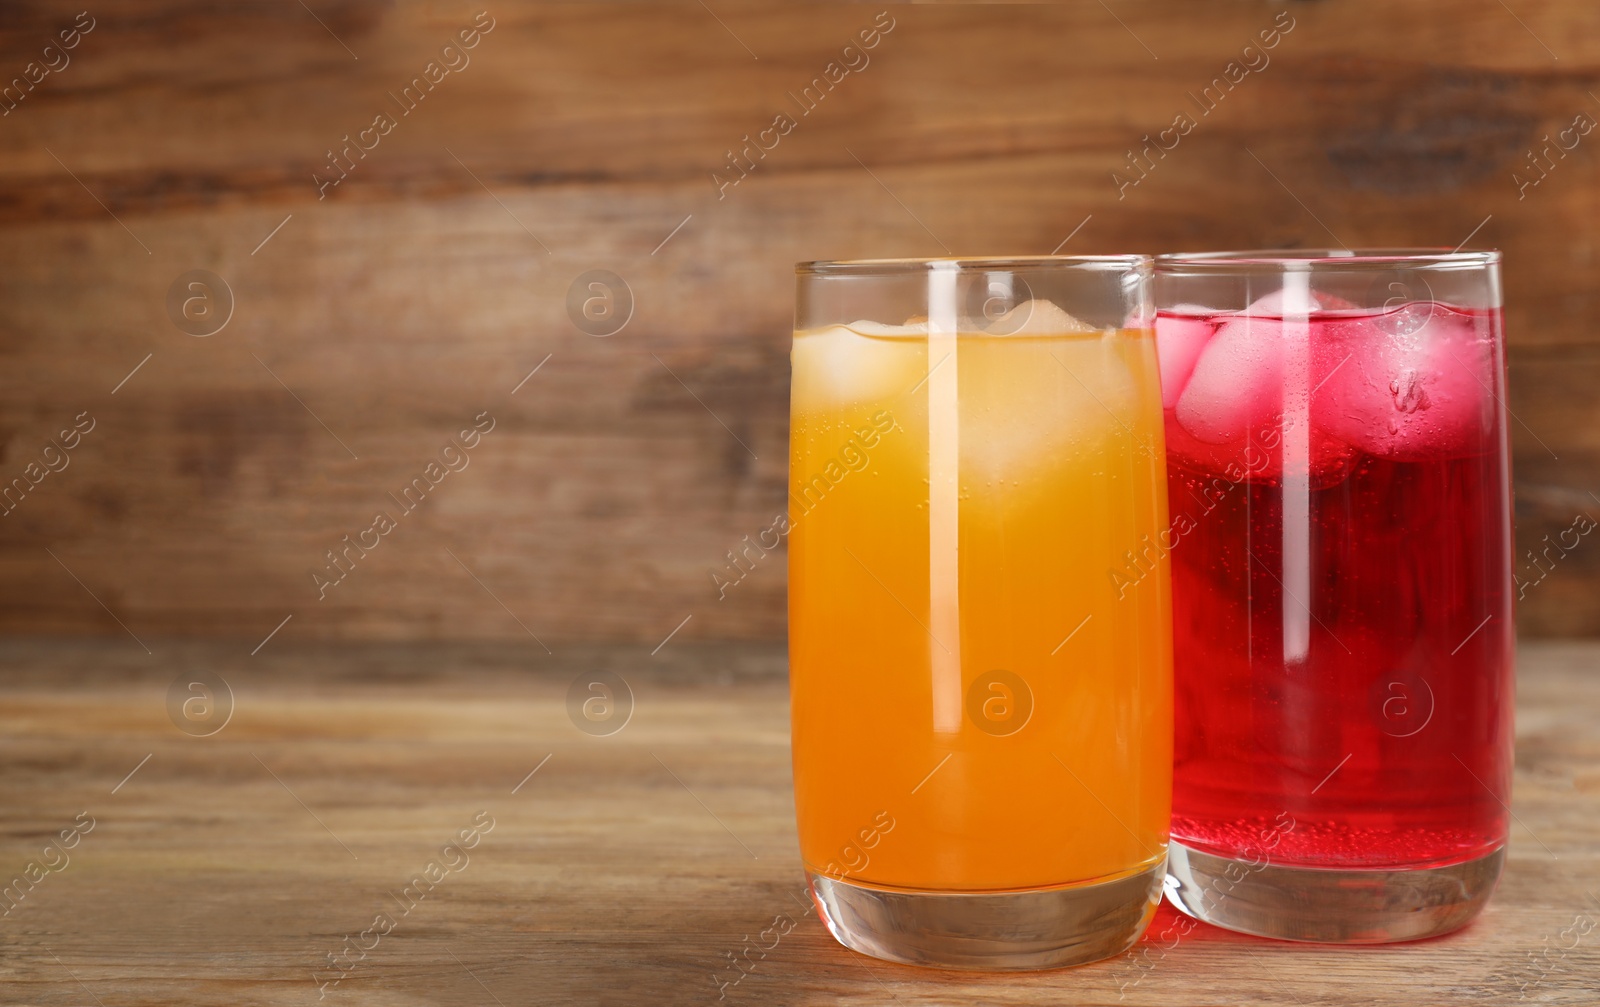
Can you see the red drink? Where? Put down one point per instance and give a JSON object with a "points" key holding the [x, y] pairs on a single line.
{"points": [[1340, 552]]}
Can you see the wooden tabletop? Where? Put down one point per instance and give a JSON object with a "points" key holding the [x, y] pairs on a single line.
{"points": [[618, 869]]}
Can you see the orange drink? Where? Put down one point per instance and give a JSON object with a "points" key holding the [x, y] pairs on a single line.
{"points": [[979, 615]]}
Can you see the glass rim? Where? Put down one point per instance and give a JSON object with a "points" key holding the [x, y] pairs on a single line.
{"points": [[906, 266], [1248, 260]]}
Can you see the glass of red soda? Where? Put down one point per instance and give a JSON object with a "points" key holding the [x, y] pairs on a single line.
{"points": [[1339, 485]]}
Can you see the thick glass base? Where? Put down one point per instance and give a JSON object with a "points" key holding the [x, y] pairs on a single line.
{"points": [[1329, 906], [1037, 929]]}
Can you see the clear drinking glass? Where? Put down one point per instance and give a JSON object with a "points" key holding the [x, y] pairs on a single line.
{"points": [[982, 719], [1341, 561]]}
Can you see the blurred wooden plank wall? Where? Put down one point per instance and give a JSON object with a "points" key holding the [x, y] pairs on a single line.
{"points": [[435, 276]]}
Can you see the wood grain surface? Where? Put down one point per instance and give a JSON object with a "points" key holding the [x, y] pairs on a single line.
{"points": [[373, 319], [227, 868]]}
